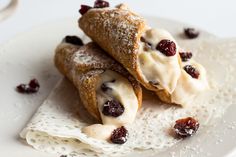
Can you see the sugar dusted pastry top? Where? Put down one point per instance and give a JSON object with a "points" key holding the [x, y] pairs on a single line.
{"points": [[127, 28]]}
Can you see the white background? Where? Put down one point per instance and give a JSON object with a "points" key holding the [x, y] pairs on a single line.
{"points": [[215, 16]]}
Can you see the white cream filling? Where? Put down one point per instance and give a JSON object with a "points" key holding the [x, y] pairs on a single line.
{"points": [[187, 87], [122, 91], [154, 65], [99, 131]]}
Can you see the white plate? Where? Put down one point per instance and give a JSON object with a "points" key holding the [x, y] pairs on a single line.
{"points": [[29, 55]]}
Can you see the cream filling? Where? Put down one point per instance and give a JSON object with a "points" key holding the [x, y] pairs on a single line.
{"points": [[99, 131], [122, 91], [187, 87], [154, 66]]}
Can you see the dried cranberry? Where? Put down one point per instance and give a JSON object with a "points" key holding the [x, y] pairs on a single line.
{"points": [[186, 127], [84, 9], [113, 108], [101, 4], [185, 56], [192, 71], [191, 33], [166, 47], [34, 83], [119, 135], [32, 87], [148, 45], [74, 40], [21, 88]]}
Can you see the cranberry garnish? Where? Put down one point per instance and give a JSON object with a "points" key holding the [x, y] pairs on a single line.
{"points": [[186, 127], [191, 33], [192, 71], [32, 87], [119, 135], [101, 4], [185, 56], [74, 40], [113, 108], [84, 9], [166, 47]]}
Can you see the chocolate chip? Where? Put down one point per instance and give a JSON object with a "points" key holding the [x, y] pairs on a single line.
{"points": [[191, 33], [166, 47], [31, 87], [186, 127], [147, 46], [74, 40], [113, 108], [105, 88], [154, 83], [142, 39], [192, 71], [119, 135], [185, 56]]}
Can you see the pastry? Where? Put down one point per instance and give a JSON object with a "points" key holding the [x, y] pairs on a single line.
{"points": [[150, 55], [107, 90]]}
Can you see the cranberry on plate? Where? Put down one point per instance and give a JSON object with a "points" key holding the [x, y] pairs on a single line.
{"points": [[31, 87], [191, 33], [186, 127]]}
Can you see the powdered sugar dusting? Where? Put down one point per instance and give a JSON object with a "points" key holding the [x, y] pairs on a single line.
{"points": [[83, 58], [118, 26]]}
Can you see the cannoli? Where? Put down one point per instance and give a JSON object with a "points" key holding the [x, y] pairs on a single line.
{"points": [[150, 55], [107, 90]]}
